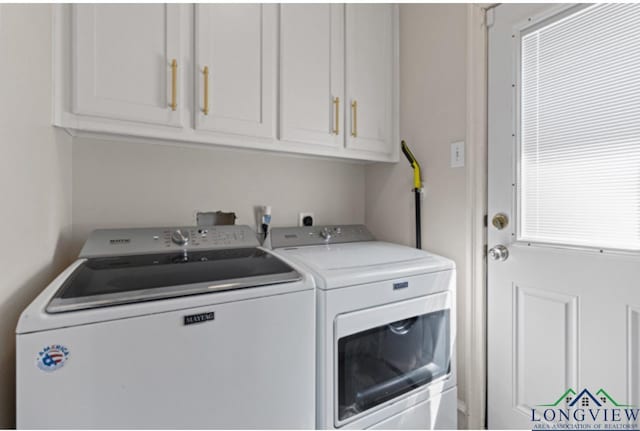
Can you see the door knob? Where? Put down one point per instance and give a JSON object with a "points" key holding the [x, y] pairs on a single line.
{"points": [[499, 252]]}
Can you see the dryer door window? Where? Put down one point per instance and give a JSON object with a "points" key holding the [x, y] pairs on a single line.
{"points": [[381, 363]]}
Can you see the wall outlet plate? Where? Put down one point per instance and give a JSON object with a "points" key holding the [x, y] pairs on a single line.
{"points": [[301, 219]]}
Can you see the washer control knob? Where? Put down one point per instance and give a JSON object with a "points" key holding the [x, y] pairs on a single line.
{"points": [[326, 234], [180, 238], [338, 230]]}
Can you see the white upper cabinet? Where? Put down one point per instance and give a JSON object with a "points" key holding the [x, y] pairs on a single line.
{"points": [[318, 79], [312, 74], [370, 62], [235, 65], [123, 62]]}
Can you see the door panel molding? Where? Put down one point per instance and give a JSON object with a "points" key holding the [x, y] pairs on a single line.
{"points": [[566, 325]]}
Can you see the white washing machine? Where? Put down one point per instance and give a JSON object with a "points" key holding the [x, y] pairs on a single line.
{"points": [[170, 328], [385, 329]]}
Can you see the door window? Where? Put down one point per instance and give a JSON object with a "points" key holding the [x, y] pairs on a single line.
{"points": [[384, 362], [579, 128]]}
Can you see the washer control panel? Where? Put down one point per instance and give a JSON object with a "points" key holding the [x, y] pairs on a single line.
{"points": [[282, 237], [122, 242]]}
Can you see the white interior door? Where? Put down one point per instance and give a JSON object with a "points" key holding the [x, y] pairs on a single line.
{"points": [[312, 73], [370, 56], [123, 55], [236, 68], [564, 170]]}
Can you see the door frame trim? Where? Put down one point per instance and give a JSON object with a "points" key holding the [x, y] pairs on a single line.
{"points": [[475, 367]]}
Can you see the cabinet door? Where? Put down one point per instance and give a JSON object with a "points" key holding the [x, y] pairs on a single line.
{"points": [[370, 60], [236, 44], [312, 74], [122, 61]]}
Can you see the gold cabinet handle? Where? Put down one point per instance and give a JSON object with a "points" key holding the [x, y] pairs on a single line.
{"points": [[174, 84], [205, 110], [354, 115], [336, 123]]}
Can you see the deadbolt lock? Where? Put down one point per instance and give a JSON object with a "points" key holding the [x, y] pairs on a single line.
{"points": [[500, 221]]}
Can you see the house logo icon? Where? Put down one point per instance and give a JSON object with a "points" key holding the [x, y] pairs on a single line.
{"points": [[586, 409], [586, 399]]}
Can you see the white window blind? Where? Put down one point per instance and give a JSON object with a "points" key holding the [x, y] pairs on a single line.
{"points": [[580, 129]]}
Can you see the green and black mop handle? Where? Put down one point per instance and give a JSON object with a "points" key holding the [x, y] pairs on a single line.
{"points": [[417, 189]]}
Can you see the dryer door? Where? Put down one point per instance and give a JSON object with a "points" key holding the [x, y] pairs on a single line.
{"points": [[388, 351]]}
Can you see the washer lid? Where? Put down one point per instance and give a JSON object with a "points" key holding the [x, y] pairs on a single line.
{"points": [[106, 281], [357, 263]]}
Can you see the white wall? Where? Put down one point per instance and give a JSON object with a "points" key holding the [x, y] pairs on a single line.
{"points": [[125, 184], [35, 179], [432, 115]]}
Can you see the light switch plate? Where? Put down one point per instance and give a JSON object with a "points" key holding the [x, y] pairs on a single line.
{"points": [[457, 154]]}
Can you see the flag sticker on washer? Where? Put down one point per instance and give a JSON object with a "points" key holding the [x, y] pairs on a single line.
{"points": [[199, 318], [52, 357]]}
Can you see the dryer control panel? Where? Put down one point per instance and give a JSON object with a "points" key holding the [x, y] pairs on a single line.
{"points": [[122, 242], [283, 237]]}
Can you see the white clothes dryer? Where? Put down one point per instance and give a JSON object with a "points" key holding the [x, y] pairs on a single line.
{"points": [[385, 329]]}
